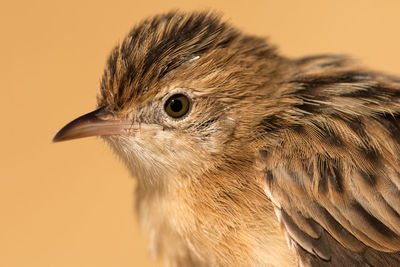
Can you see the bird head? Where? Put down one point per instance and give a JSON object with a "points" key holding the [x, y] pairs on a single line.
{"points": [[183, 93]]}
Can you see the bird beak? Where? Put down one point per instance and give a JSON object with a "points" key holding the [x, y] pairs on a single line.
{"points": [[96, 123]]}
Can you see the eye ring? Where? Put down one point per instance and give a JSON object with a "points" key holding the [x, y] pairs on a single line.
{"points": [[177, 106]]}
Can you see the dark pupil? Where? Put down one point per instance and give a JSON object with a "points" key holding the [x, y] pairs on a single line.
{"points": [[176, 105]]}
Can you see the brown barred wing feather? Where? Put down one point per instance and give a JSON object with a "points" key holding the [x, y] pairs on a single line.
{"points": [[334, 174]]}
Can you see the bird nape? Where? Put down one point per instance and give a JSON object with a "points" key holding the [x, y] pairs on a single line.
{"points": [[245, 157]]}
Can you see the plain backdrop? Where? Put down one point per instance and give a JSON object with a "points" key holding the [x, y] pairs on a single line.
{"points": [[72, 203]]}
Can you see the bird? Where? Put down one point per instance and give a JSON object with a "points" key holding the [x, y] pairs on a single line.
{"points": [[246, 157]]}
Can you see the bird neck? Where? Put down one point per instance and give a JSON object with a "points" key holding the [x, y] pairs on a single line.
{"points": [[220, 218]]}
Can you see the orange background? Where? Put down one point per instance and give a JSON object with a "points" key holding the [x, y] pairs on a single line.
{"points": [[71, 204]]}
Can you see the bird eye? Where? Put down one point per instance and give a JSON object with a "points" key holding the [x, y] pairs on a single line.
{"points": [[177, 106]]}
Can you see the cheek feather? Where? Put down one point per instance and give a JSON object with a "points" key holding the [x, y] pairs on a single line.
{"points": [[153, 156], [144, 163]]}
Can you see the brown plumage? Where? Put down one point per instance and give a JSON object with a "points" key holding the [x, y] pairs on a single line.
{"points": [[247, 158]]}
